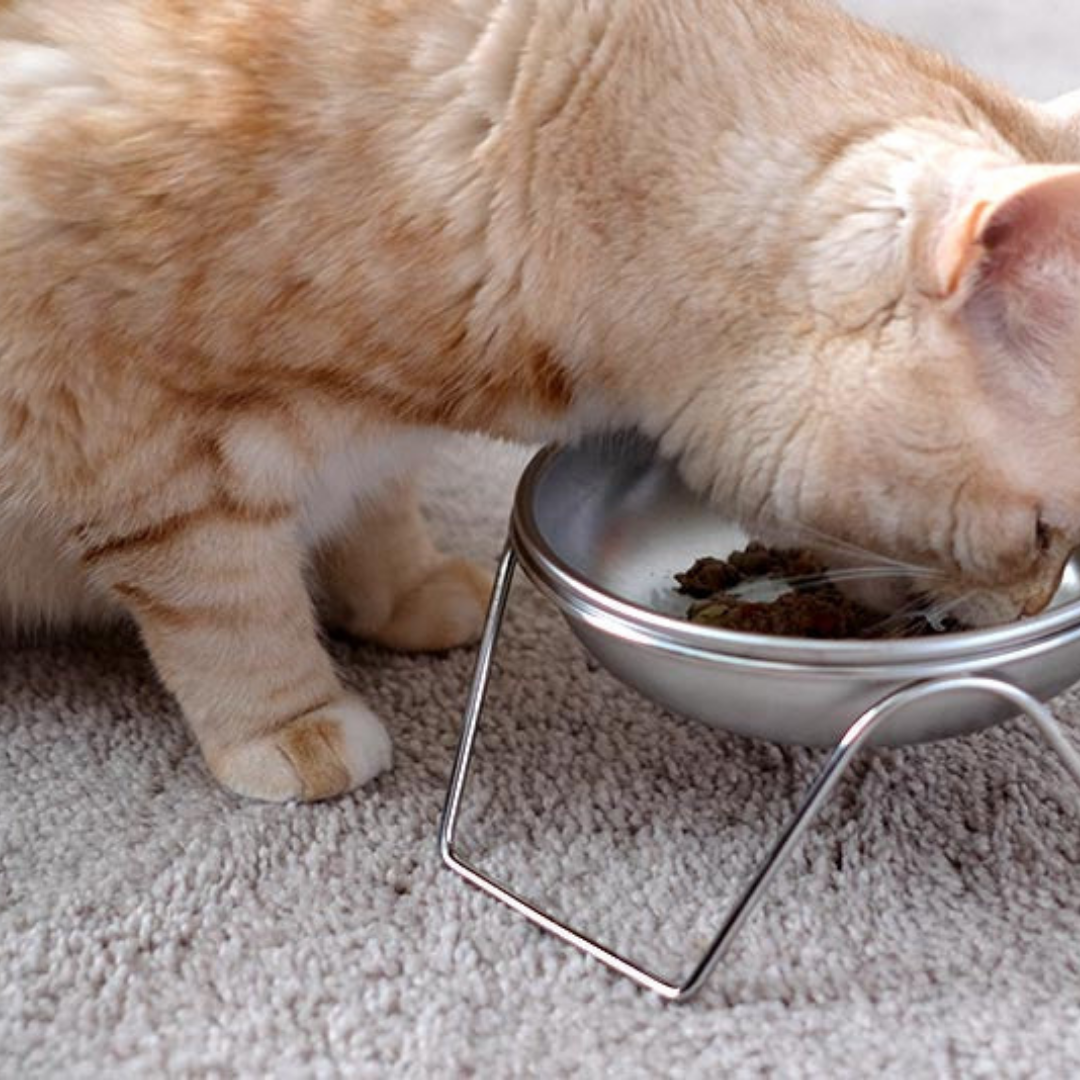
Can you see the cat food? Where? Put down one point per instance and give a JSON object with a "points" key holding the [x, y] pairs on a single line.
{"points": [[814, 607]]}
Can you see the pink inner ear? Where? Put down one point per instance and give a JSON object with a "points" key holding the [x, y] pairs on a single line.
{"points": [[1014, 217], [1019, 282]]}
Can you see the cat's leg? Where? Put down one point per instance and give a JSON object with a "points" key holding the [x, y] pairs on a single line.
{"points": [[384, 580], [220, 596], [42, 585]]}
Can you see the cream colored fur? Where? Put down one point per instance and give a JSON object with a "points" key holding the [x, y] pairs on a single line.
{"points": [[255, 255]]}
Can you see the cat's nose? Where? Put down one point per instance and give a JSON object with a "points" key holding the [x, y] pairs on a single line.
{"points": [[1038, 603], [1059, 553]]}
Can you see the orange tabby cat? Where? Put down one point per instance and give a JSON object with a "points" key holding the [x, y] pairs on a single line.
{"points": [[255, 254]]}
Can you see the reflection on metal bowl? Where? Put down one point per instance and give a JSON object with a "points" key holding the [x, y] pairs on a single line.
{"points": [[602, 527]]}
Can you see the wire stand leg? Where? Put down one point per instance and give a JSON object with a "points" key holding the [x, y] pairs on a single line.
{"points": [[857, 737]]}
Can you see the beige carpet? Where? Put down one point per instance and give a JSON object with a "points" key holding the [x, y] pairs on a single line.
{"points": [[152, 925]]}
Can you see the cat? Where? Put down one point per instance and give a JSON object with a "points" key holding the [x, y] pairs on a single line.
{"points": [[255, 255]]}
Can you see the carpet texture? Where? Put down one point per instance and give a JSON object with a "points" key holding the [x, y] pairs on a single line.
{"points": [[151, 924]]}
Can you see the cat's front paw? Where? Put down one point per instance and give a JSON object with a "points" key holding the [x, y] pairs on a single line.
{"points": [[445, 610], [317, 756]]}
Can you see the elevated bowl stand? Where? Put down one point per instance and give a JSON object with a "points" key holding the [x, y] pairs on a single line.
{"points": [[858, 735]]}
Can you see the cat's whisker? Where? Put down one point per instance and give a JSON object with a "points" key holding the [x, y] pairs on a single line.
{"points": [[778, 585], [935, 614], [870, 573], [899, 623], [903, 620], [826, 542]]}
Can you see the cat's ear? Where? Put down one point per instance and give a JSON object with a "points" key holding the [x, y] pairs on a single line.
{"points": [[1007, 261], [1064, 114], [1015, 233], [1066, 108]]}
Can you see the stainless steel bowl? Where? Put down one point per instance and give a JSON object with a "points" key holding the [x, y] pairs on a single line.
{"points": [[601, 529]]}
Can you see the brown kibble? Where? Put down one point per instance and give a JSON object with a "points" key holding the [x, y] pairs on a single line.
{"points": [[708, 576], [815, 608], [825, 614], [757, 561]]}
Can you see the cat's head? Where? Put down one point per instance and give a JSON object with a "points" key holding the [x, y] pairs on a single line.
{"points": [[921, 392]]}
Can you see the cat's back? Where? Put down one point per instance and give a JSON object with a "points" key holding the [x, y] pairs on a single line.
{"points": [[157, 157]]}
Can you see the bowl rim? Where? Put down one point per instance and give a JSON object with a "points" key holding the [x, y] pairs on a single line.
{"points": [[578, 596]]}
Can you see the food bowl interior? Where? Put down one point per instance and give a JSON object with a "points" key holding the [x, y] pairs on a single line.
{"points": [[621, 520], [603, 527]]}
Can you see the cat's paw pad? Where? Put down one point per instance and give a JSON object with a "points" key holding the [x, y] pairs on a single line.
{"points": [[444, 611], [320, 755]]}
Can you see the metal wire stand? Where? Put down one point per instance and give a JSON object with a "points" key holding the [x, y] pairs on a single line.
{"points": [[819, 791]]}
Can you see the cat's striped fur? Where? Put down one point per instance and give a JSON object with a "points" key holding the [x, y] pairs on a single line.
{"points": [[255, 253]]}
